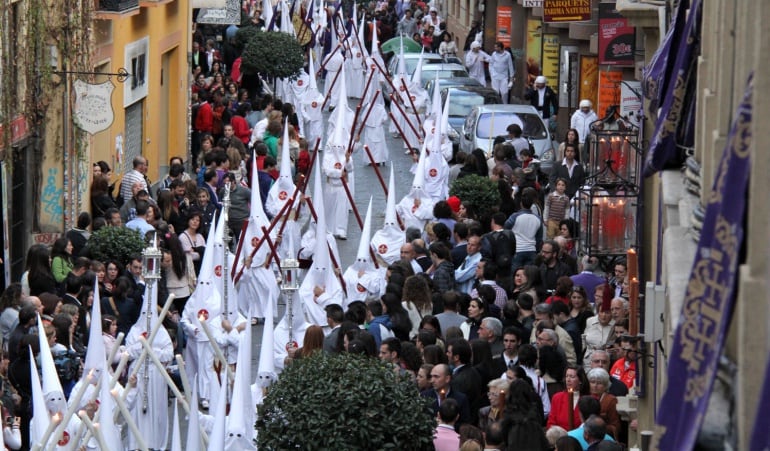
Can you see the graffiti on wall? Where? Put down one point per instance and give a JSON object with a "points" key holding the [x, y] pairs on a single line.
{"points": [[52, 199]]}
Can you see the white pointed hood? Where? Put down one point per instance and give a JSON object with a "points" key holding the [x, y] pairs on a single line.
{"points": [[176, 436], [286, 24], [387, 241], [266, 373], [267, 12], [41, 419], [417, 75], [313, 88], [193, 441], [96, 357], [375, 41], [401, 68], [321, 272], [361, 25], [362, 256], [219, 277], [418, 182], [252, 234], [107, 406], [52, 389], [205, 300], [240, 421], [217, 437], [283, 188], [339, 135], [445, 115]]}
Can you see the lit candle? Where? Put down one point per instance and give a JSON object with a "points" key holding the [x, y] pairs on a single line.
{"points": [[604, 153], [55, 420], [633, 297], [632, 264], [571, 410]]}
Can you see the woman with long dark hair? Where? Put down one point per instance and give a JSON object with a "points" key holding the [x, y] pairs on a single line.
{"points": [[39, 275], [477, 311], [61, 259], [523, 418], [174, 265], [401, 325]]}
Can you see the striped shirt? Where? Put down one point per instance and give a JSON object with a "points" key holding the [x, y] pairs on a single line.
{"points": [[557, 206]]}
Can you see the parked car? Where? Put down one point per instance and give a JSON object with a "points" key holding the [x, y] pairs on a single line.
{"points": [[444, 71], [462, 100], [486, 122], [411, 60], [447, 82]]}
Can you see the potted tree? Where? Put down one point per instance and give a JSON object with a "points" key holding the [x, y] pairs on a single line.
{"points": [[343, 401], [115, 243]]}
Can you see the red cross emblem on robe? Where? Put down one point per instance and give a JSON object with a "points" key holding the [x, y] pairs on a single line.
{"points": [[300, 82], [283, 195], [203, 314], [338, 165], [218, 270], [254, 242], [382, 248], [314, 104], [65, 439], [433, 172]]}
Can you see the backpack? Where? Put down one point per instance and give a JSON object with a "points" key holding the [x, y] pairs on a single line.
{"points": [[503, 247]]}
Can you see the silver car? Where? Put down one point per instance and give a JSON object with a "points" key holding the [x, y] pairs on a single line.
{"points": [[486, 122]]}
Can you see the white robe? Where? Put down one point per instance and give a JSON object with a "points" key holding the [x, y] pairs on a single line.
{"points": [[374, 133], [335, 199], [475, 63], [154, 423], [312, 114], [334, 63], [412, 215], [354, 73]]}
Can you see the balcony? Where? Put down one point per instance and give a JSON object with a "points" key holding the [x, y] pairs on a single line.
{"points": [[108, 9]]}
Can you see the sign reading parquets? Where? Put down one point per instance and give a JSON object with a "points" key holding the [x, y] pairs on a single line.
{"points": [[566, 10]]}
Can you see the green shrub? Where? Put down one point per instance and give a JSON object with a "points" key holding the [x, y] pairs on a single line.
{"points": [[480, 192], [115, 243], [343, 402], [272, 54]]}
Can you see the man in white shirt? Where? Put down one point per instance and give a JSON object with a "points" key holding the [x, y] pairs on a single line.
{"points": [[501, 71], [474, 61], [581, 121]]}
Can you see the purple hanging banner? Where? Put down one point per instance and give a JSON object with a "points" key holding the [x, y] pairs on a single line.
{"points": [[672, 125], [656, 74], [710, 296]]}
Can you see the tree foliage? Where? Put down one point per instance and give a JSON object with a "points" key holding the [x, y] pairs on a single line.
{"points": [[343, 402], [481, 192], [115, 243], [272, 53]]}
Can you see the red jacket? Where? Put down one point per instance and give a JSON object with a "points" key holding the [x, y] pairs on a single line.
{"points": [[619, 371], [559, 415], [204, 120], [241, 128]]}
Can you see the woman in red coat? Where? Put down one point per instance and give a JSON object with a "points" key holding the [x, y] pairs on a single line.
{"points": [[576, 385]]}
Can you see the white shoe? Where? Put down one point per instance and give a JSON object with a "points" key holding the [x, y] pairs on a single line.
{"points": [[204, 403]]}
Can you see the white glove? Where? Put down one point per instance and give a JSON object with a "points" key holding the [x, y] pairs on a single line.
{"points": [[510, 84]]}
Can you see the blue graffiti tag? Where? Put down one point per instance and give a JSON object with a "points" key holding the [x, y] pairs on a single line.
{"points": [[53, 196]]}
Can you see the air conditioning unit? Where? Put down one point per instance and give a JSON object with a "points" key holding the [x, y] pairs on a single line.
{"points": [[654, 306]]}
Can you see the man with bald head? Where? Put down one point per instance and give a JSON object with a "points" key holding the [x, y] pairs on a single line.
{"points": [[408, 255], [421, 254], [440, 381]]}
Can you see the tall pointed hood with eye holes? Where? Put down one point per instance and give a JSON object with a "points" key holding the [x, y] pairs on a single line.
{"points": [[240, 422], [283, 188], [205, 301], [321, 272], [387, 241]]}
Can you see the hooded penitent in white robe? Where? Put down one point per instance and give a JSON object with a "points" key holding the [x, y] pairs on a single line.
{"points": [[152, 421], [387, 241]]}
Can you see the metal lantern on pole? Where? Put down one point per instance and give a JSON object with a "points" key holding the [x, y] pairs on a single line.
{"points": [[289, 286], [151, 258]]}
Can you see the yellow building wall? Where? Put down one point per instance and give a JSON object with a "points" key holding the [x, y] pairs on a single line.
{"points": [[165, 128]]}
